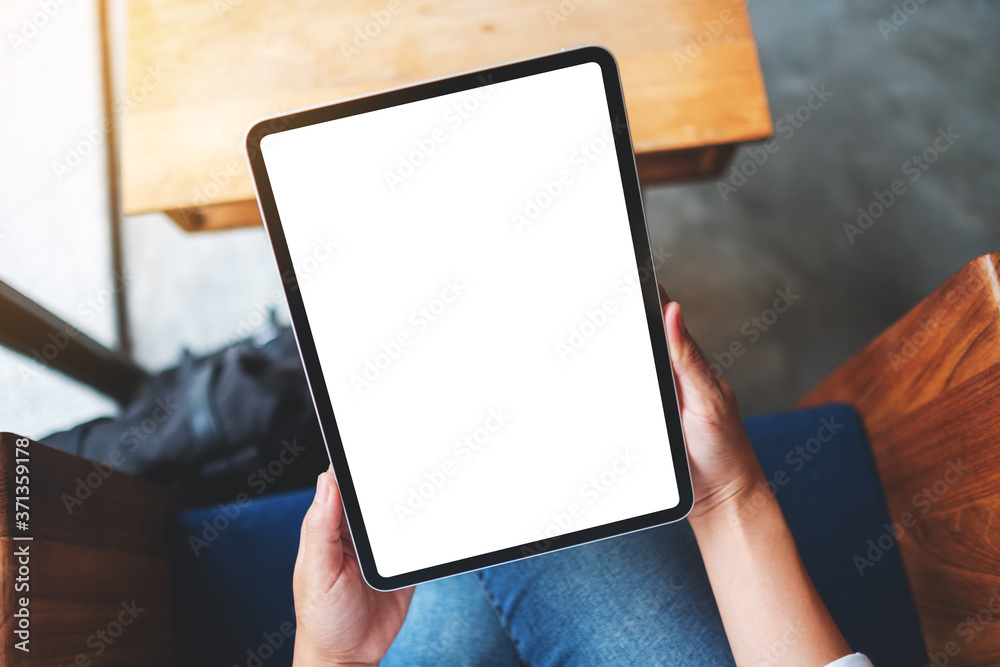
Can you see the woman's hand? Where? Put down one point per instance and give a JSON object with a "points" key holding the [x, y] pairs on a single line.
{"points": [[760, 584], [724, 468], [340, 619]]}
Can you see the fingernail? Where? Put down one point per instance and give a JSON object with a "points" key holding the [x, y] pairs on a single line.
{"points": [[322, 490], [675, 353]]}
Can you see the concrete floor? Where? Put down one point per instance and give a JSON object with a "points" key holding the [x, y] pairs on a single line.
{"points": [[785, 226], [888, 92]]}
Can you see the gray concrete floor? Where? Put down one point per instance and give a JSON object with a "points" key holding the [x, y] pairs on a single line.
{"points": [[784, 226], [781, 229]]}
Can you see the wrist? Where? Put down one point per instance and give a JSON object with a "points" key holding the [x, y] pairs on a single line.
{"points": [[306, 656], [309, 662], [749, 500]]}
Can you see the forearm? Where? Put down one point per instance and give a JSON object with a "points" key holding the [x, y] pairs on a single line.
{"points": [[770, 609]]}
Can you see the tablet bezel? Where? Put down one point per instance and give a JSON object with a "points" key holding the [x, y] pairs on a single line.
{"points": [[643, 256]]}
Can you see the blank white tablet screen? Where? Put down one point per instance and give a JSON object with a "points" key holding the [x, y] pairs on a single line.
{"points": [[468, 275]]}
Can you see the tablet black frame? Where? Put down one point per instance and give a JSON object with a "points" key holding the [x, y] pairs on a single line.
{"points": [[640, 244]]}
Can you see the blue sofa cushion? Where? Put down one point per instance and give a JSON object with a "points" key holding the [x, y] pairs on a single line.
{"points": [[232, 564], [820, 466], [232, 581]]}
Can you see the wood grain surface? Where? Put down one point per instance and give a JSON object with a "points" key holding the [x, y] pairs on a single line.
{"points": [[928, 389], [198, 73], [99, 581]]}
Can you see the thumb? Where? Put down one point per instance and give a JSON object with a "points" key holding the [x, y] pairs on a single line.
{"points": [[321, 549], [696, 378]]}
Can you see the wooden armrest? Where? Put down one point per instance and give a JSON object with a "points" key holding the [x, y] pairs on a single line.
{"points": [[928, 389], [88, 563]]}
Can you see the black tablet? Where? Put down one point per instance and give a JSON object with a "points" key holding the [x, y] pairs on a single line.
{"points": [[471, 285]]}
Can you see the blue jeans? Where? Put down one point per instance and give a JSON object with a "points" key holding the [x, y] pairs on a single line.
{"points": [[639, 599]]}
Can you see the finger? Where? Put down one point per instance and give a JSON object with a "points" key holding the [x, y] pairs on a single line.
{"points": [[664, 299], [693, 372], [321, 550], [345, 528]]}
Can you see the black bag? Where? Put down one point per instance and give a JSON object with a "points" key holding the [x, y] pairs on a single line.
{"points": [[238, 420]]}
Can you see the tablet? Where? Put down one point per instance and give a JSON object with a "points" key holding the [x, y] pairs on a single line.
{"points": [[472, 288]]}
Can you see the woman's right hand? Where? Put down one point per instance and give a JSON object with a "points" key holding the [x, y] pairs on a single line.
{"points": [[724, 468], [760, 584], [340, 620]]}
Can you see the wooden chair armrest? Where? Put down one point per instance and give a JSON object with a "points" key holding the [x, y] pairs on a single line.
{"points": [[84, 556], [928, 389]]}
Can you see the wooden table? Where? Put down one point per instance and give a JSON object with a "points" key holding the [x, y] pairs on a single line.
{"points": [[928, 390], [200, 71]]}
